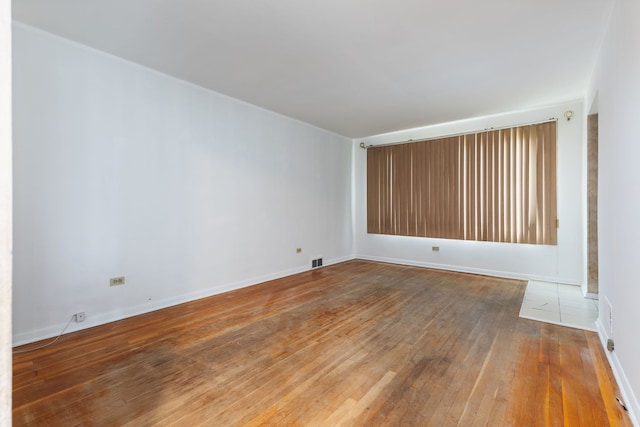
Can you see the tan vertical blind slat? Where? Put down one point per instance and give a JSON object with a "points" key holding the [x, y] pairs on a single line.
{"points": [[495, 185]]}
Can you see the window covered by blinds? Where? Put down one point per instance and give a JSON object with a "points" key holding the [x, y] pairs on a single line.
{"points": [[497, 186]]}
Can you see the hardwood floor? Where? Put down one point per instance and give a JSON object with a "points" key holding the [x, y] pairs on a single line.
{"points": [[355, 344]]}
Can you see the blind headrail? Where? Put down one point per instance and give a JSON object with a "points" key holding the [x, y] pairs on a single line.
{"points": [[453, 135]]}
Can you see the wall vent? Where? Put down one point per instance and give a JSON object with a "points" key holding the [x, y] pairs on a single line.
{"points": [[317, 262]]}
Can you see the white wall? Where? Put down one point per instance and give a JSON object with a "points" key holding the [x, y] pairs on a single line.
{"points": [[120, 170], [5, 213], [561, 263], [616, 84]]}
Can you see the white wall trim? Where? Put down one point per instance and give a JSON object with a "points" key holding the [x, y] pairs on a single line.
{"points": [[113, 316], [6, 212], [626, 390], [471, 270]]}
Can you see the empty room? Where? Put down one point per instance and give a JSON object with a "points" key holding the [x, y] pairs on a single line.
{"points": [[412, 213]]}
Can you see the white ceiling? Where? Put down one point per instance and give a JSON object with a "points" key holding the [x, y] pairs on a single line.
{"points": [[354, 67]]}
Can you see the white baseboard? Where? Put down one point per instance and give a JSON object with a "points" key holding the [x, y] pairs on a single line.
{"points": [[591, 295], [471, 270], [342, 259], [628, 396], [113, 316]]}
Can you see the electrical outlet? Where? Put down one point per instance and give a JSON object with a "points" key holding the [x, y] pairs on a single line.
{"points": [[435, 248], [298, 250], [79, 317], [116, 281]]}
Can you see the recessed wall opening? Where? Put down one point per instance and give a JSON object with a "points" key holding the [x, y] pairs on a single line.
{"points": [[592, 199]]}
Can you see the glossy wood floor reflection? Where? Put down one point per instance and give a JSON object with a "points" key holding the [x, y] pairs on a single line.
{"points": [[355, 344]]}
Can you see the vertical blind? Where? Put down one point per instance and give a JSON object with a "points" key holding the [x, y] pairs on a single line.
{"points": [[497, 185]]}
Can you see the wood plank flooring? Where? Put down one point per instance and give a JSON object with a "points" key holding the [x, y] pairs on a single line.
{"points": [[354, 344]]}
